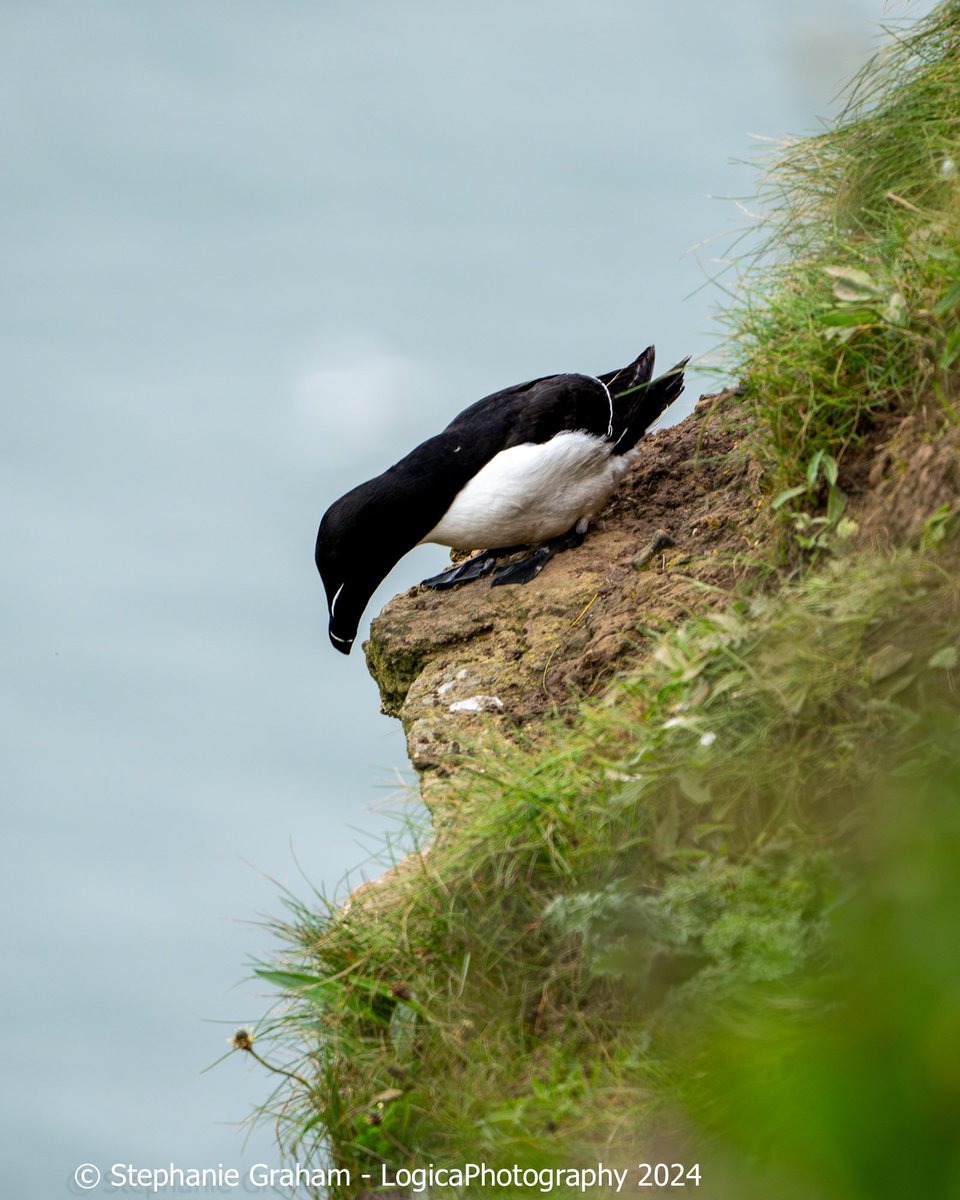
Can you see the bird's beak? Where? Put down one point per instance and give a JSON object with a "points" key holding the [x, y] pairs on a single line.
{"points": [[344, 645]]}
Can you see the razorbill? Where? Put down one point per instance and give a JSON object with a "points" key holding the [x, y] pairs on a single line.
{"points": [[525, 467]]}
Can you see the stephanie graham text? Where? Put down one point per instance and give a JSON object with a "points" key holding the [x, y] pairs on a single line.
{"points": [[416, 1180]]}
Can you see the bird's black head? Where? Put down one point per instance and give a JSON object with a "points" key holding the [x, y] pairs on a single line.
{"points": [[349, 564]]}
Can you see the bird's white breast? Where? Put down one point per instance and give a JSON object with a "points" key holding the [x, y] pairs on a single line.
{"points": [[531, 493]]}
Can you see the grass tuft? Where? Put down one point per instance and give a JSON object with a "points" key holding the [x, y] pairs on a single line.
{"points": [[852, 307]]}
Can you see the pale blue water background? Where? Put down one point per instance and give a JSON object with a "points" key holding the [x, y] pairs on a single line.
{"points": [[251, 254]]}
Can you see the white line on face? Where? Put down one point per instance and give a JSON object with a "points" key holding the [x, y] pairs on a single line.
{"points": [[333, 602]]}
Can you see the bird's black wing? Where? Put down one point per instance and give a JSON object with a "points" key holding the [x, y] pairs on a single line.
{"points": [[534, 412]]}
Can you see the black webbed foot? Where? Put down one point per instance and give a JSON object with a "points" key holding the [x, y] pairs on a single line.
{"points": [[530, 567], [474, 568], [524, 570]]}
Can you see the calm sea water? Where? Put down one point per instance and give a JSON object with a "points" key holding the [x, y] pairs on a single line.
{"points": [[251, 254]]}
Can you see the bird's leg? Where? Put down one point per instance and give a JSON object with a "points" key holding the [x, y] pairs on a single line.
{"points": [[473, 568], [528, 568]]}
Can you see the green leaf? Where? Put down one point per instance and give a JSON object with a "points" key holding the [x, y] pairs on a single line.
{"points": [[886, 662], [813, 468], [950, 299], [403, 1026], [846, 528], [823, 463], [694, 787], [836, 503], [309, 987], [848, 316], [290, 980], [789, 494], [951, 350], [852, 283], [896, 311], [945, 659], [842, 335]]}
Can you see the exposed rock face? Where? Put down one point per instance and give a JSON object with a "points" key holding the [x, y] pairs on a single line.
{"points": [[677, 535]]}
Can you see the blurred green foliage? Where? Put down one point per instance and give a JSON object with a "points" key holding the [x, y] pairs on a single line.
{"points": [[846, 1085]]}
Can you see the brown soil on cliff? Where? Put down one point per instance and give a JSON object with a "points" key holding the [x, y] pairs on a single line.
{"points": [[908, 470]]}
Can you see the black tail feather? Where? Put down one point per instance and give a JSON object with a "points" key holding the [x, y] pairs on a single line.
{"points": [[638, 372], [636, 408]]}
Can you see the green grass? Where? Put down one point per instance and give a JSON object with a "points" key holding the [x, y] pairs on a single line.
{"points": [[713, 915], [859, 313], [567, 932]]}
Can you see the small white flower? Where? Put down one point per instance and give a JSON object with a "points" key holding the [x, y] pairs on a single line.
{"points": [[948, 168], [708, 739]]}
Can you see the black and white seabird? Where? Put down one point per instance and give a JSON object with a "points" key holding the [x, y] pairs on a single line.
{"points": [[527, 467]]}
